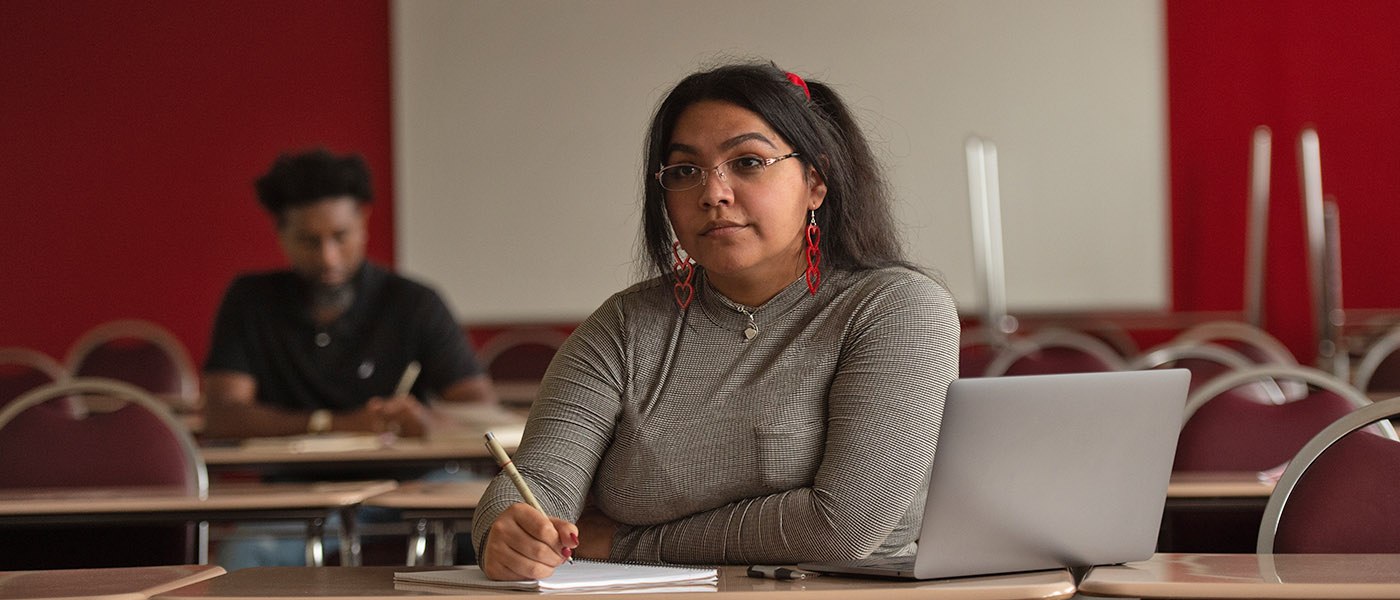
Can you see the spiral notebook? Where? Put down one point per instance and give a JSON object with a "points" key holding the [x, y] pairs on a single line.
{"points": [[580, 576]]}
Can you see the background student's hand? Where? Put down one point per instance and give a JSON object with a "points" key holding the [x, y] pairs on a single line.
{"points": [[403, 416], [526, 544]]}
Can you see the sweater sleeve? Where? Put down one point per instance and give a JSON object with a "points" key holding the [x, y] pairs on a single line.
{"points": [[885, 403], [570, 425]]}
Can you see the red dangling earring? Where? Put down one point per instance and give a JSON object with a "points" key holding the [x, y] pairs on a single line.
{"points": [[684, 269], [814, 254]]}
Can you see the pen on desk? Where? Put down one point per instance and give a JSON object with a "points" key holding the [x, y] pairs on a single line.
{"points": [[504, 461], [772, 572]]}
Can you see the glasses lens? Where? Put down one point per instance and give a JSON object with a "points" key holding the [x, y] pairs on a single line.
{"points": [[745, 167], [680, 177]]}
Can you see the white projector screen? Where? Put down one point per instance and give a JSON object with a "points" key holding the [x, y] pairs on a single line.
{"points": [[519, 126]]}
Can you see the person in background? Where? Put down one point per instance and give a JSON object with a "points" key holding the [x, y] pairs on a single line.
{"points": [[773, 394], [323, 345]]}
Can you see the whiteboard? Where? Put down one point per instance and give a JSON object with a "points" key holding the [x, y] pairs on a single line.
{"points": [[518, 130]]}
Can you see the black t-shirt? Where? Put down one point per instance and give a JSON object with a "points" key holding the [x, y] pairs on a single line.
{"points": [[264, 328]]}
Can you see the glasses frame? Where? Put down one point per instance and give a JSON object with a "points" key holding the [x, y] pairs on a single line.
{"points": [[705, 172]]}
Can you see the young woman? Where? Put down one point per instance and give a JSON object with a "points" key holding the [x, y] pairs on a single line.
{"points": [[774, 393]]}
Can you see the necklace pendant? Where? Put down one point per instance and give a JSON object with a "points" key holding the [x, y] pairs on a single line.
{"points": [[750, 332]]}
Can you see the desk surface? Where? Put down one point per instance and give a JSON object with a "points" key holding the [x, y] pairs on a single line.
{"points": [[223, 497], [1317, 576], [461, 442], [132, 582], [455, 495], [277, 583], [1223, 484]]}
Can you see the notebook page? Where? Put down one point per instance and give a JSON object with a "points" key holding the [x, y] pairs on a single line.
{"points": [[582, 574]]}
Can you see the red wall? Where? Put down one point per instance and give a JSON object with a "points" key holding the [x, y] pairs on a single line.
{"points": [[1286, 64], [130, 133]]}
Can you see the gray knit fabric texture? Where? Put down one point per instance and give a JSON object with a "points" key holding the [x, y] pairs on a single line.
{"points": [[811, 441]]}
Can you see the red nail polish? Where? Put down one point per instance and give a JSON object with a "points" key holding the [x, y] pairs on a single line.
{"points": [[568, 553], [574, 537]]}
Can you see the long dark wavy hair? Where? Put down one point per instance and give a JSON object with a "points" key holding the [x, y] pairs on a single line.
{"points": [[858, 230]]}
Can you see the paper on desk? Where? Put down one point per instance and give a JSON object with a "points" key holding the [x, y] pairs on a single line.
{"points": [[322, 442]]}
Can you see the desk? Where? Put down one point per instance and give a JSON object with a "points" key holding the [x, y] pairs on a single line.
{"points": [[276, 583], [435, 505], [1223, 485], [113, 584], [309, 502], [1318, 576], [462, 443]]}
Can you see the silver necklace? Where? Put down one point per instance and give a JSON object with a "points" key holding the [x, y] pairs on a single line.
{"points": [[752, 329]]}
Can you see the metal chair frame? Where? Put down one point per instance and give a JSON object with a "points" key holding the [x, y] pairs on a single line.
{"points": [[1244, 333], [198, 472], [1273, 511], [1054, 338], [33, 358], [1378, 352], [1174, 351], [1273, 373], [142, 330]]}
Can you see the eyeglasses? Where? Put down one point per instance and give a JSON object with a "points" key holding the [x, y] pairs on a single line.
{"points": [[745, 169]]}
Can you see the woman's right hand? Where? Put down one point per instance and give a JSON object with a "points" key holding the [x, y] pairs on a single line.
{"points": [[526, 544]]}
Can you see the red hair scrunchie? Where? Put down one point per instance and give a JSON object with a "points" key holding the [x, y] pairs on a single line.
{"points": [[799, 83]]}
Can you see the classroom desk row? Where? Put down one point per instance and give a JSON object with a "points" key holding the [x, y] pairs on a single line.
{"points": [[431, 508], [1188, 576]]}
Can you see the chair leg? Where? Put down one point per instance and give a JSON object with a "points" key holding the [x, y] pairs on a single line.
{"points": [[418, 543], [315, 531], [446, 534], [349, 537]]}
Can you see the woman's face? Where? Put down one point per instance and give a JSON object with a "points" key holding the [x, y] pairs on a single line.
{"points": [[746, 231]]}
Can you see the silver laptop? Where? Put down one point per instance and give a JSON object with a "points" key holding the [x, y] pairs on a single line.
{"points": [[1044, 471]]}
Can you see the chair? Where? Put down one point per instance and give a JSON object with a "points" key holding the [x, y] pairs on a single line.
{"points": [[1255, 343], [23, 369], [47, 442], [1339, 493], [141, 353], [1228, 427], [1055, 351], [1379, 369], [977, 348], [1205, 361], [517, 359]]}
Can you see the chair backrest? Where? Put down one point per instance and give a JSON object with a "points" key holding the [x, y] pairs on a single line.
{"points": [[23, 369], [1251, 341], [977, 347], [1379, 369], [1050, 351], [57, 444], [1229, 426], [521, 354], [1205, 361], [1339, 494], [46, 443], [141, 353]]}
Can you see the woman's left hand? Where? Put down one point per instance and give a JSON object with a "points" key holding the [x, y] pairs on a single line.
{"points": [[595, 534]]}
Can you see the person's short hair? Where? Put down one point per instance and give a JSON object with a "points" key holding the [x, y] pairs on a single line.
{"points": [[856, 220], [304, 178]]}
